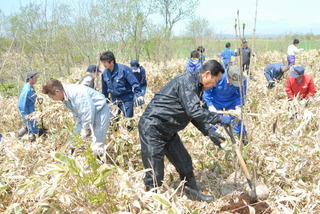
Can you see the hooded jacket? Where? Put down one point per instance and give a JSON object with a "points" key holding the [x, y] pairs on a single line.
{"points": [[193, 64]]}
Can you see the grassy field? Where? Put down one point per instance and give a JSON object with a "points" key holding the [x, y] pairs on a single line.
{"points": [[282, 153], [183, 47]]}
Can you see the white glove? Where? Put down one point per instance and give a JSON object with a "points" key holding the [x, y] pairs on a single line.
{"points": [[238, 110], [140, 101], [303, 101], [212, 109], [236, 50], [32, 116], [307, 115]]}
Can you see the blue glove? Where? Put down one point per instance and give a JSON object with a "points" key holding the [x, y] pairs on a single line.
{"points": [[225, 119]]}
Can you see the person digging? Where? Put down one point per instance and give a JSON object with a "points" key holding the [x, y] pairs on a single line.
{"points": [[170, 111]]}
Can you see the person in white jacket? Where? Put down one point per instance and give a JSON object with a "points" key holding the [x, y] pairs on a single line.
{"points": [[88, 106], [292, 51]]}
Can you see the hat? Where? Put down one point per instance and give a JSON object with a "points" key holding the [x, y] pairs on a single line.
{"points": [[30, 74], [134, 64], [234, 74], [297, 71], [93, 68], [244, 41]]}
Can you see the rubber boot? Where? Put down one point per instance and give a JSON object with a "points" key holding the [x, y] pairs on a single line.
{"points": [[192, 191], [22, 131]]}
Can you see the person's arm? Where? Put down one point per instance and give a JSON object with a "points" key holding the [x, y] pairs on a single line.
{"points": [[22, 102], [133, 82], [233, 53], [191, 103], [311, 89], [104, 86], [289, 89], [296, 50], [85, 109]]}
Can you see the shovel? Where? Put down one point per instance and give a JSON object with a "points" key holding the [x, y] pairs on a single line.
{"points": [[252, 193]]}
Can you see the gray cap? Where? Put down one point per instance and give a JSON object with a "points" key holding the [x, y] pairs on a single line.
{"points": [[234, 74], [31, 74]]}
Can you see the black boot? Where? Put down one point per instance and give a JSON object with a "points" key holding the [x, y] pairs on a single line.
{"points": [[192, 191]]}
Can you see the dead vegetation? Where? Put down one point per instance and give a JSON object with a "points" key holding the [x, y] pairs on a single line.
{"points": [[283, 153]]}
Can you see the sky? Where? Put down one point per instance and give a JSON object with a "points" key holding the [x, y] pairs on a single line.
{"points": [[274, 17]]}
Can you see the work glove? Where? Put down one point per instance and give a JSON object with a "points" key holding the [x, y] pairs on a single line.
{"points": [[86, 134], [225, 120], [216, 138], [303, 101], [271, 84], [140, 101], [212, 109], [32, 116]]}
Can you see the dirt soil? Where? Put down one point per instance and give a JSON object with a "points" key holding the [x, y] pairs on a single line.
{"points": [[240, 205]]}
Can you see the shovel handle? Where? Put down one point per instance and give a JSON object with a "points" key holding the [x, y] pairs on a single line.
{"points": [[242, 163]]}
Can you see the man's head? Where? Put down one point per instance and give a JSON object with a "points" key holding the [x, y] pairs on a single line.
{"points": [[108, 60], [194, 55], [32, 77], [211, 73], [93, 69], [285, 68], [234, 75], [54, 89], [201, 50], [134, 64], [228, 45], [296, 41], [244, 43], [297, 72]]}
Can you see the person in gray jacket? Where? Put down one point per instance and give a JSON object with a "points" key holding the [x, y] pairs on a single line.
{"points": [[88, 106], [90, 77]]}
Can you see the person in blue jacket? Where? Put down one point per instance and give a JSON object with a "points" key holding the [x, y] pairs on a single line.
{"points": [[194, 62], [119, 81], [226, 55], [202, 57], [140, 73], [274, 72], [88, 106], [26, 107], [228, 96]]}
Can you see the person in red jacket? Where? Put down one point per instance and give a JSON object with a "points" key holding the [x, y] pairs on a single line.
{"points": [[300, 84]]}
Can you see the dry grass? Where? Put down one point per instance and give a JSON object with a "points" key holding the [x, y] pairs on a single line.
{"points": [[39, 177]]}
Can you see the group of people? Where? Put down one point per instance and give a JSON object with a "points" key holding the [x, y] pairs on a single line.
{"points": [[179, 102], [298, 84]]}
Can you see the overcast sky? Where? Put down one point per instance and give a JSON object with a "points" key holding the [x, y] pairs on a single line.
{"points": [[274, 16]]}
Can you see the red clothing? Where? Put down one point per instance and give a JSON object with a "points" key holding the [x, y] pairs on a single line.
{"points": [[305, 89]]}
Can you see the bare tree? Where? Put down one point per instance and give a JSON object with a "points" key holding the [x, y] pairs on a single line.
{"points": [[199, 29], [174, 11]]}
